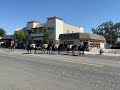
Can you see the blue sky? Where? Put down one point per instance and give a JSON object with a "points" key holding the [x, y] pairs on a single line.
{"points": [[85, 13]]}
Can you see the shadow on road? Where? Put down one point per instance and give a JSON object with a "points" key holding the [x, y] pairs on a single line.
{"points": [[8, 51], [26, 53]]}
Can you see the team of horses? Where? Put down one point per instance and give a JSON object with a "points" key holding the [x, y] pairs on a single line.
{"points": [[50, 49]]}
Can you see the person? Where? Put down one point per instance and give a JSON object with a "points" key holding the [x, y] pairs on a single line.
{"points": [[35, 48], [101, 51], [49, 48], [14, 46], [28, 48], [73, 48], [60, 47], [53, 49], [11, 44], [81, 48]]}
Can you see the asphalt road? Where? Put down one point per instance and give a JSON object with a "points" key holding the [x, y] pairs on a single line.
{"points": [[22, 71]]}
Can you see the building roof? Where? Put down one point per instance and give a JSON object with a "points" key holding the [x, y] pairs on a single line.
{"points": [[55, 17], [8, 37], [81, 36], [33, 21]]}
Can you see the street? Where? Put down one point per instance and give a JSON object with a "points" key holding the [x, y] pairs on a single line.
{"points": [[22, 71]]}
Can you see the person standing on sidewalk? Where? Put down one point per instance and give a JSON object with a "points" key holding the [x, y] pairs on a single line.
{"points": [[101, 51]]}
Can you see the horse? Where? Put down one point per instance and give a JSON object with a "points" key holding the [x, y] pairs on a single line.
{"points": [[61, 47], [38, 47], [42, 48], [49, 49], [29, 48], [53, 49], [81, 49], [73, 49], [12, 46]]}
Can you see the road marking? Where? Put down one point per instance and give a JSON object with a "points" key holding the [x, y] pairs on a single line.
{"points": [[84, 63]]}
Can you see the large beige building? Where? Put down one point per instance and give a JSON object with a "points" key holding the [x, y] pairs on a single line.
{"points": [[55, 25]]}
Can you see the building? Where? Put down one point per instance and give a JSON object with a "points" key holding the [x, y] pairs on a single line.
{"points": [[6, 39], [56, 27], [91, 41], [117, 44], [18, 29]]}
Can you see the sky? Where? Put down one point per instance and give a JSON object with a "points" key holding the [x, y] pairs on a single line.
{"points": [[81, 13]]}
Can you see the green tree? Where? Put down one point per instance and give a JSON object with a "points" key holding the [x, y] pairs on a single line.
{"points": [[46, 35], [2, 32], [20, 35], [110, 31]]}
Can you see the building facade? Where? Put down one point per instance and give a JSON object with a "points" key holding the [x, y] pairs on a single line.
{"points": [[91, 41], [55, 25]]}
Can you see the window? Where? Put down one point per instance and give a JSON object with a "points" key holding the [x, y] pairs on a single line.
{"points": [[95, 44], [72, 31], [68, 42], [67, 31], [52, 31]]}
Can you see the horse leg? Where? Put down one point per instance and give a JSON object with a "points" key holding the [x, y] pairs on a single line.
{"points": [[44, 51], [14, 48], [41, 50], [73, 52], [83, 52], [28, 50], [67, 52], [79, 52], [58, 52], [11, 48], [35, 50], [49, 51], [53, 51]]}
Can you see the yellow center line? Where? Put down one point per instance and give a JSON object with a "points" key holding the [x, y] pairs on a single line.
{"points": [[84, 63]]}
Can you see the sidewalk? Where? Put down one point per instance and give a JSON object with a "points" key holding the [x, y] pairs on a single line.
{"points": [[106, 53], [86, 52]]}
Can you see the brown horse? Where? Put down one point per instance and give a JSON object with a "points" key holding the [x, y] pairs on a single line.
{"points": [[12, 46]]}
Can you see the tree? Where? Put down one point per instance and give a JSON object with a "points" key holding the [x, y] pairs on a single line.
{"points": [[2, 32], [20, 35], [110, 31], [46, 36]]}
